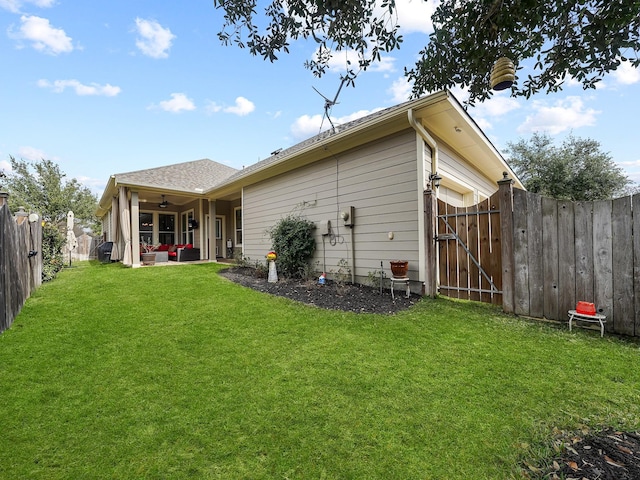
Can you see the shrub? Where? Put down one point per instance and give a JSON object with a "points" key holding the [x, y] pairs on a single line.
{"points": [[292, 239], [52, 242]]}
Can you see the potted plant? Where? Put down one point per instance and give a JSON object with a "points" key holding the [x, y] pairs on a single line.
{"points": [[399, 268], [148, 254]]}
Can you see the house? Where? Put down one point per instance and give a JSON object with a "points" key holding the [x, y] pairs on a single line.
{"points": [[362, 183]]}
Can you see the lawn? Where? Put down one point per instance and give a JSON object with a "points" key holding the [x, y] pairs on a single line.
{"points": [[175, 372]]}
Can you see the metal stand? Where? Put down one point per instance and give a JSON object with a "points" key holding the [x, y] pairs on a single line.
{"points": [[404, 280]]}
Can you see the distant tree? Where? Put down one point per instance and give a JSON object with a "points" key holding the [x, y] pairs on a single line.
{"points": [[40, 187], [584, 39], [577, 170]]}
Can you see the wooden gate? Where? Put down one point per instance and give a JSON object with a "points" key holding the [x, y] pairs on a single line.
{"points": [[469, 251]]}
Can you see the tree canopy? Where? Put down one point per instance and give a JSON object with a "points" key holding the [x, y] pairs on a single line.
{"points": [[577, 170], [578, 39], [41, 187]]}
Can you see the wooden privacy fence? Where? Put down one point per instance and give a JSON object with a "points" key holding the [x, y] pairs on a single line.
{"points": [[20, 268], [538, 256]]}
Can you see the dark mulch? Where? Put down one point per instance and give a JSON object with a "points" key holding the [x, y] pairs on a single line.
{"points": [[347, 297], [607, 455]]}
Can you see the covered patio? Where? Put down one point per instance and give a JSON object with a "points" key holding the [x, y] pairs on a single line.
{"points": [[167, 207]]}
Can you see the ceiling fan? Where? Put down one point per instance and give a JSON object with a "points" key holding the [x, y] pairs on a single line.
{"points": [[164, 203]]}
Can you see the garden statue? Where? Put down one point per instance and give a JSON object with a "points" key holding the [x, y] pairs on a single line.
{"points": [[273, 273]]}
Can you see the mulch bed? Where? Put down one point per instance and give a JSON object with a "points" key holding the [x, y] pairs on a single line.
{"points": [[346, 297], [607, 455]]}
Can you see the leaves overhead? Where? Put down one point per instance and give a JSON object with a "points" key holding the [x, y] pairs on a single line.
{"points": [[578, 39], [357, 25]]}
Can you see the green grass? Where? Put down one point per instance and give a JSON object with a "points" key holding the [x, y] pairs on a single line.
{"points": [[172, 373]]}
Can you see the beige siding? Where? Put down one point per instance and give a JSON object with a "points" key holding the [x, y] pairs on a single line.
{"points": [[379, 180], [462, 182]]}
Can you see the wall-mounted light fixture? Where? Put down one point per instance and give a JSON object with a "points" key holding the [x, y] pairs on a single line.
{"points": [[434, 179]]}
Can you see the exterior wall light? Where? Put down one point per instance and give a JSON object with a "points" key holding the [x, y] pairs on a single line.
{"points": [[434, 179]]}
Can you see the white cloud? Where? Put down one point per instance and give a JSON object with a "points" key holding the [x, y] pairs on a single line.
{"points": [[496, 106], [483, 123], [59, 86], [32, 154], [415, 15], [212, 107], [307, 126], [241, 108], [626, 74], [5, 166], [563, 115], [42, 35], [154, 40], [179, 102], [15, 6], [400, 90]]}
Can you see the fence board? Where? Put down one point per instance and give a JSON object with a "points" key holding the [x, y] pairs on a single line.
{"points": [[603, 259], [19, 272], [520, 253], [452, 247], [463, 257], [566, 258], [562, 252], [635, 203], [495, 256], [584, 251], [536, 255], [621, 225], [474, 248], [485, 248], [5, 278], [550, 240]]}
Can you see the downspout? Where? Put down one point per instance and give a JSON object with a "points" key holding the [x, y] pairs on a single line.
{"points": [[433, 145]]}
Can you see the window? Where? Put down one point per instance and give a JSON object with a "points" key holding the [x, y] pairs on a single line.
{"points": [[146, 227], [185, 227], [238, 225], [167, 229]]}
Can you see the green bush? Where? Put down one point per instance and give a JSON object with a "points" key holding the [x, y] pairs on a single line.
{"points": [[292, 240], [52, 242]]}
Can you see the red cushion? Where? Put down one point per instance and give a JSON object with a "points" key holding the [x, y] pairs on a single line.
{"points": [[188, 245], [164, 248], [172, 254]]}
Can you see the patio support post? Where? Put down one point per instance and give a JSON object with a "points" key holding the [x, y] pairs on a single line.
{"points": [[505, 189], [135, 230], [213, 241], [430, 251]]}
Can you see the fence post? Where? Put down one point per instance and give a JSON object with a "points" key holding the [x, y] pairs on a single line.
{"points": [[505, 189], [4, 198], [430, 250]]}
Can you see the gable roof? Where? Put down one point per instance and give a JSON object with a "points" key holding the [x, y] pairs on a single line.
{"points": [[441, 114], [188, 177], [192, 178]]}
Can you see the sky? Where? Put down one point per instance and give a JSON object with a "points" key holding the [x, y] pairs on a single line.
{"points": [[103, 87]]}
